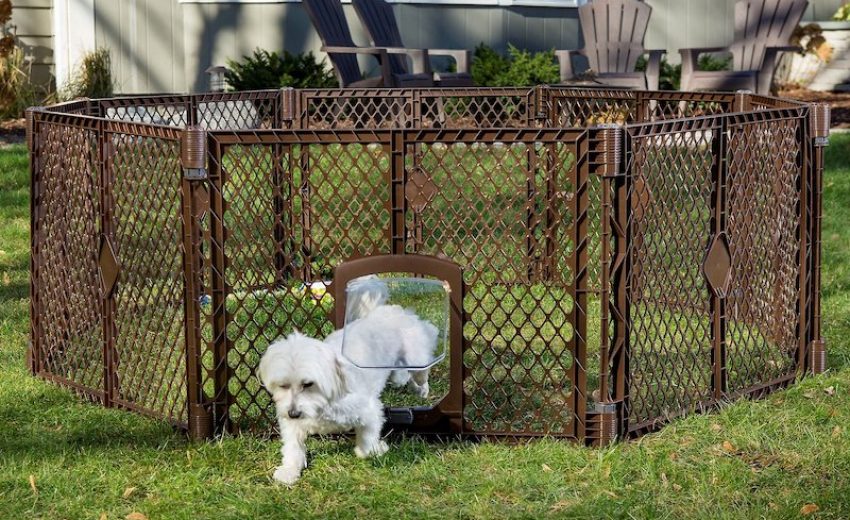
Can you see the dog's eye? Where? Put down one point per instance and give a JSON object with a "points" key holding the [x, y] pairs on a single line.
{"points": [[285, 387], [307, 384]]}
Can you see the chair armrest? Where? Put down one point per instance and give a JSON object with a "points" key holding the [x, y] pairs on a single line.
{"points": [[653, 68], [419, 58], [379, 52], [565, 63], [353, 50], [460, 57], [784, 48]]}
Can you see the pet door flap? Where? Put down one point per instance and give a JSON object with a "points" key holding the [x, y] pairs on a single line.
{"points": [[395, 323]]}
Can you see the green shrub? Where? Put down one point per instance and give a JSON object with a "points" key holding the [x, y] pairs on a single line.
{"points": [[671, 75], [843, 13], [519, 68], [264, 69], [93, 77]]}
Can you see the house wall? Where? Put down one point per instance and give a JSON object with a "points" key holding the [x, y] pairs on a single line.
{"points": [[35, 30], [166, 45]]}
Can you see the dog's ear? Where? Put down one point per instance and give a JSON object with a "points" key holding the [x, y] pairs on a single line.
{"points": [[339, 383], [265, 364]]}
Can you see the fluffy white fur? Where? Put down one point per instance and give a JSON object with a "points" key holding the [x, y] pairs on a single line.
{"points": [[317, 391]]}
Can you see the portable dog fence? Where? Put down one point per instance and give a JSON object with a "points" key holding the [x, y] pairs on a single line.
{"points": [[616, 258]]}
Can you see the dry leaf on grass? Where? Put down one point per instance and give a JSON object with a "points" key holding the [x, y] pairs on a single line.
{"points": [[128, 492], [546, 468], [103, 516], [830, 390], [32, 484], [716, 427], [728, 447], [135, 515], [809, 509], [809, 395]]}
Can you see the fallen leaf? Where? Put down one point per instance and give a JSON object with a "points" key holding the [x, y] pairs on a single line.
{"points": [[673, 456], [32, 484], [728, 447], [127, 492], [664, 478], [833, 412], [809, 395], [103, 516], [716, 427], [836, 431], [135, 515], [677, 487], [6, 279], [546, 468], [610, 494], [830, 390], [809, 509]]}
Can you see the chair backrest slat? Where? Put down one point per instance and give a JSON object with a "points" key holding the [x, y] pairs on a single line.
{"points": [[760, 24], [614, 32], [380, 22], [329, 20]]}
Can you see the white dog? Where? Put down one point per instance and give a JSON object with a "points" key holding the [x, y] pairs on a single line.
{"points": [[317, 391]]}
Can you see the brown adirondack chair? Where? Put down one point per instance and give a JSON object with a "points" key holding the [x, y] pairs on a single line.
{"points": [[762, 31], [329, 20], [614, 32], [378, 18]]}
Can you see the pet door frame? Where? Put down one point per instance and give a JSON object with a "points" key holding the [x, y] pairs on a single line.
{"points": [[447, 415]]}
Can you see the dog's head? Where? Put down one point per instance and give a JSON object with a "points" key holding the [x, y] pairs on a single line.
{"points": [[302, 375]]}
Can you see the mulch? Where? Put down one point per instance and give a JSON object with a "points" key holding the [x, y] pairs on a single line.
{"points": [[839, 103], [13, 131]]}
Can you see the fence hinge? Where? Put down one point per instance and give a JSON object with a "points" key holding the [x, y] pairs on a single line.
{"points": [[605, 425], [743, 100], [287, 104], [193, 153], [200, 422], [819, 119], [817, 356], [606, 154]]}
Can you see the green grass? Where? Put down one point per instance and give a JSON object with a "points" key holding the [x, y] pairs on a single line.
{"points": [[751, 459]]}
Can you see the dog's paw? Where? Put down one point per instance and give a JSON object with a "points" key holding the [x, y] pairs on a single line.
{"points": [[375, 450], [423, 390], [286, 476]]}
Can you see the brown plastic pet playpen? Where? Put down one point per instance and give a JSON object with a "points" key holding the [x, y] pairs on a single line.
{"points": [[617, 258]]}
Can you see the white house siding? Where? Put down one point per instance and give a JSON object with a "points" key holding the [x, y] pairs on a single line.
{"points": [[165, 45]]}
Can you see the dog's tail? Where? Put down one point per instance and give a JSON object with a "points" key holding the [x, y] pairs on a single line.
{"points": [[365, 294]]}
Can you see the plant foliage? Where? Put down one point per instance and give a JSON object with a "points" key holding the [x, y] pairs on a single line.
{"points": [[264, 69], [519, 68]]}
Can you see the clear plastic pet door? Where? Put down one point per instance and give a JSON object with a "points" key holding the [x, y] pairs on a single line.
{"points": [[396, 323]]}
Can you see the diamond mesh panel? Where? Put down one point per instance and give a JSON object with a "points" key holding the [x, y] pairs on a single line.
{"points": [[71, 339], [130, 111], [490, 109], [498, 210], [356, 109], [331, 202], [764, 219], [670, 345], [150, 358]]}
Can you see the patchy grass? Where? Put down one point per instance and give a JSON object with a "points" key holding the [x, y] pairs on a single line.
{"points": [[62, 458]]}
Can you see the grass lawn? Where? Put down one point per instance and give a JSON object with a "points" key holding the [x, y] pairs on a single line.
{"points": [[62, 458]]}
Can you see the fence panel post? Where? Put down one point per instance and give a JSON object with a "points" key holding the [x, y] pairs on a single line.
{"points": [[109, 266], [34, 358], [608, 157], [193, 160], [717, 266], [819, 118]]}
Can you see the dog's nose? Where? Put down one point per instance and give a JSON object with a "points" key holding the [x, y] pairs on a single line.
{"points": [[294, 414]]}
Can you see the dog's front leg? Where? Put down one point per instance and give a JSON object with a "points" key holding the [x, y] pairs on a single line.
{"points": [[294, 451], [368, 433]]}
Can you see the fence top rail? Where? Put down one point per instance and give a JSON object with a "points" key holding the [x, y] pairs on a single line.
{"points": [[282, 111], [94, 123]]}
